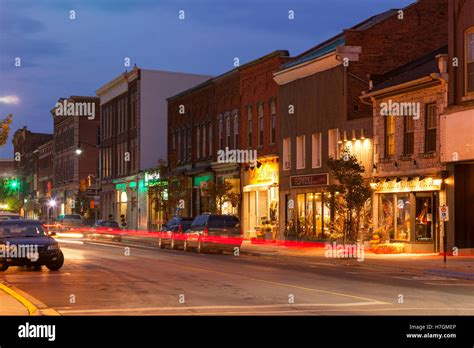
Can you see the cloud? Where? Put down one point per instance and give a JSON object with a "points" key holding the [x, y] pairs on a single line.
{"points": [[9, 99]]}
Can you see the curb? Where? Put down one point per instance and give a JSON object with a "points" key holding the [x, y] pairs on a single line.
{"points": [[32, 309]]}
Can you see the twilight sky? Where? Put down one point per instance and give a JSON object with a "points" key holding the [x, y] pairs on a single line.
{"points": [[62, 57]]}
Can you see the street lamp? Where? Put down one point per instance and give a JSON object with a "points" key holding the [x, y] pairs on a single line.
{"points": [[78, 151]]}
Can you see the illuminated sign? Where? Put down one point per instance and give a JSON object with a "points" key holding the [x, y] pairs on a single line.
{"points": [[152, 179], [427, 184], [266, 174], [121, 186]]}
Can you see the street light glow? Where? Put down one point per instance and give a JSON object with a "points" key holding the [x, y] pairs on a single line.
{"points": [[52, 203], [78, 151]]}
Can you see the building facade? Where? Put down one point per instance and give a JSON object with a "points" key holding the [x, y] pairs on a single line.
{"points": [[25, 155], [76, 156], [321, 112], [408, 175], [457, 126], [134, 139], [45, 179]]}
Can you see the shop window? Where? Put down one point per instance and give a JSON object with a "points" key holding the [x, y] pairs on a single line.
{"points": [[469, 64], [387, 216], [430, 128], [389, 136], [424, 217], [409, 136], [316, 150], [287, 154], [300, 152], [403, 217]]}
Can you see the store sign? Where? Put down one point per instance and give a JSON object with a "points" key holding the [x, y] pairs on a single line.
{"points": [[427, 184], [121, 186], [309, 180], [266, 174], [152, 178], [200, 179]]}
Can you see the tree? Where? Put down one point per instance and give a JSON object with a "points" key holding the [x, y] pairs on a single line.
{"points": [[5, 129], [350, 194], [220, 193]]}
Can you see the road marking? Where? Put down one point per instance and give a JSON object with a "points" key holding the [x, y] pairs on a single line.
{"points": [[147, 309], [32, 309], [266, 281]]}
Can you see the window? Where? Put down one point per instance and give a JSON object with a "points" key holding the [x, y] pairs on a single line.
{"points": [[236, 130], [430, 128], [300, 152], [188, 152], [221, 135], [198, 142], [250, 126], [287, 154], [173, 140], [333, 147], [179, 146], [469, 65], [227, 130], [316, 150], [409, 136], [204, 140], [272, 121], [210, 140], [260, 124], [389, 135]]}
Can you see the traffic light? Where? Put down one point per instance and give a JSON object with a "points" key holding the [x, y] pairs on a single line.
{"points": [[14, 183]]}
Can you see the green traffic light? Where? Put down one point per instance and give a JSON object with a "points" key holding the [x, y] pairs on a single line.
{"points": [[14, 184]]}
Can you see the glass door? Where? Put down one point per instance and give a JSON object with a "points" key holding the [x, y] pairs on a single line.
{"points": [[424, 217]]}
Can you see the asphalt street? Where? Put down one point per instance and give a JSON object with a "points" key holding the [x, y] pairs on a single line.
{"points": [[110, 279]]}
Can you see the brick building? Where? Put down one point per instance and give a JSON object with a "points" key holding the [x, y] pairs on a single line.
{"points": [[236, 111], [76, 129], [334, 73], [25, 154], [45, 179], [457, 126], [408, 178]]}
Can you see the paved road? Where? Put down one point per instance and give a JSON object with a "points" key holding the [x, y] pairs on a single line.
{"points": [[102, 279]]}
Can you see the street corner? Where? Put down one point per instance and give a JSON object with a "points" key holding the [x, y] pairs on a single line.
{"points": [[14, 301]]}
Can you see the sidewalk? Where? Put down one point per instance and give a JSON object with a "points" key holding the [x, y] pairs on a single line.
{"points": [[433, 263], [9, 305]]}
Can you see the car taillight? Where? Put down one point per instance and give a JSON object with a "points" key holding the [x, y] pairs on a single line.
{"points": [[205, 232]]}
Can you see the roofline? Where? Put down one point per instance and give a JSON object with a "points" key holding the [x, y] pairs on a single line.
{"points": [[280, 53]]}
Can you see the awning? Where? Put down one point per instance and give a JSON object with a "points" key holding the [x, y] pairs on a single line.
{"points": [[259, 187]]}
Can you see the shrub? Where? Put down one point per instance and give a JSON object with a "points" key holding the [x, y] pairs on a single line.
{"points": [[391, 248]]}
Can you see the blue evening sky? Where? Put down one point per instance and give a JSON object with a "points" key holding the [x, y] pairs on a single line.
{"points": [[62, 57]]}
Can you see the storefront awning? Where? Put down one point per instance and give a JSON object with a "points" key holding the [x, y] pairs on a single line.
{"points": [[258, 187]]}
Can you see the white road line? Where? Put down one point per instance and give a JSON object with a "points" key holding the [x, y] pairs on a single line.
{"points": [[147, 309]]}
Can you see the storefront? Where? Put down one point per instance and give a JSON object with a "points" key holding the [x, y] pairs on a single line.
{"points": [[157, 199], [200, 196], [127, 207], [308, 208], [406, 211], [229, 173], [260, 198]]}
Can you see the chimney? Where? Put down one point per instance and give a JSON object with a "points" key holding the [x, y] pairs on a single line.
{"points": [[442, 60]]}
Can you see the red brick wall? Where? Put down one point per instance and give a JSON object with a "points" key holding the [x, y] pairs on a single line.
{"points": [[395, 42]]}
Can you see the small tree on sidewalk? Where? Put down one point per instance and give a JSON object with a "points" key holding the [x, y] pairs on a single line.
{"points": [[220, 193], [350, 194]]}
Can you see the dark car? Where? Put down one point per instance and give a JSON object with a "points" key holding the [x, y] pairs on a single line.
{"points": [[25, 243], [172, 233], [105, 228], [214, 232]]}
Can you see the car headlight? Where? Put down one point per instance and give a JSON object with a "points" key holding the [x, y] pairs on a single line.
{"points": [[53, 247]]}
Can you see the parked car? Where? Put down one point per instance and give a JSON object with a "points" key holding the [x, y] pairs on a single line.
{"points": [[214, 232], [172, 233], [8, 215], [25, 243]]}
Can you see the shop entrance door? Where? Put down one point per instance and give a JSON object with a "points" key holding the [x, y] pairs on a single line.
{"points": [[424, 217]]}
